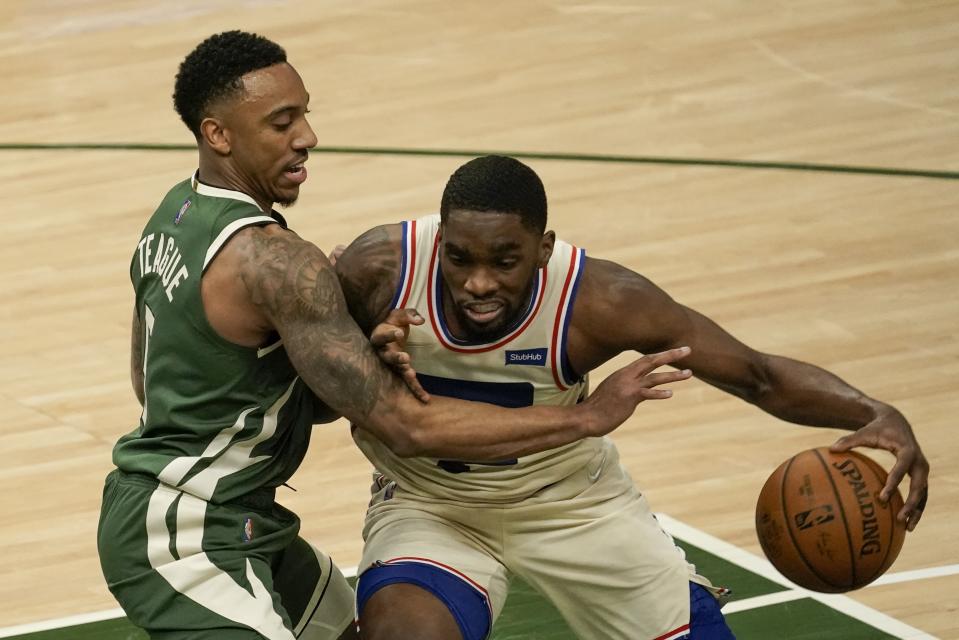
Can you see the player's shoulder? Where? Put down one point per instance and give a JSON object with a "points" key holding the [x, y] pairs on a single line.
{"points": [[617, 309], [374, 253], [265, 246], [369, 270], [615, 282], [608, 290]]}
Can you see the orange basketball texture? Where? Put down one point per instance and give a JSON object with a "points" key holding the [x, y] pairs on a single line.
{"points": [[821, 524]]}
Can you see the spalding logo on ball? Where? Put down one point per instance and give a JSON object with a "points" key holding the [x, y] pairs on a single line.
{"points": [[821, 524]]}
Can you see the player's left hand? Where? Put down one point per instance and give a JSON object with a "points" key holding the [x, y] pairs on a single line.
{"points": [[389, 340], [892, 432]]}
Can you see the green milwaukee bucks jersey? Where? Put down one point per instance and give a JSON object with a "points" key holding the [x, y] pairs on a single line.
{"points": [[220, 420]]}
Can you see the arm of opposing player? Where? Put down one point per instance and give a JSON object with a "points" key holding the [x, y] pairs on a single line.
{"points": [[136, 358], [293, 284], [789, 389]]}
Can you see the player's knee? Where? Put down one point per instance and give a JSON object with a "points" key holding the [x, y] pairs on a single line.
{"points": [[416, 601], [406, 612]]}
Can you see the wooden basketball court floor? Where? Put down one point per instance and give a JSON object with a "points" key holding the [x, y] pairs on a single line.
{"points": [[790, 169]]}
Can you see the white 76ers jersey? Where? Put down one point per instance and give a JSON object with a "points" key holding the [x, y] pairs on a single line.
{"points": [[526, 366]]}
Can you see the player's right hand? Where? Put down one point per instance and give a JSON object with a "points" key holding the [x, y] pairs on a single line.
{"points": [[616, 397], [891, 431]]}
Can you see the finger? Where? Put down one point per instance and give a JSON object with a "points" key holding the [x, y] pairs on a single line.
{"points": [[665, 377], [394, 358], [384, 334], [915, 512], [652, 361], [336, 253], [860, 438], [409, 376], [655, 394], [404, 317], [843, 444], [918, 494], [896, 474], [417, 389]]}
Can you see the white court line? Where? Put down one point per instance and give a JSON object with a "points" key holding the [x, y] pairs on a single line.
{"points": [[762, 567], [689, 534], [57, 623], [916, 574], [757, 602]]}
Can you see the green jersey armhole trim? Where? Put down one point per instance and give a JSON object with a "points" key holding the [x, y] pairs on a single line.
{"points": [[229, 231]]}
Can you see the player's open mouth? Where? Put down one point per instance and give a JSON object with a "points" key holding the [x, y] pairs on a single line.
{"points": [[483, 312], [296, 173]]}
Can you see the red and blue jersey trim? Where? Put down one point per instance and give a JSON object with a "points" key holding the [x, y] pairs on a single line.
{"points": [[435, 297], [407, 265], [445, 567], [563, 372], [675, 634]]}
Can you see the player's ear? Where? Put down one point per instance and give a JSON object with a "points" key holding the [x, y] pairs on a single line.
{"points": [[546, 248], [215, 134]]}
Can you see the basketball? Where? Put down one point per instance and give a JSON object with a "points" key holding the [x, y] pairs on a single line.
{"points": [[821, 524]]}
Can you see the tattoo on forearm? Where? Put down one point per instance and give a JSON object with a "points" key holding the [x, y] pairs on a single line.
{"points": [[287, 277]]}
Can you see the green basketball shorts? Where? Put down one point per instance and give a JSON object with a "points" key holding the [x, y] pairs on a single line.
{"points": [[182, 567]]}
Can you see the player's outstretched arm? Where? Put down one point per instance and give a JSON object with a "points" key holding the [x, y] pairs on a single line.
{"points": [[803, 393], [293, 286], [789, 389]]}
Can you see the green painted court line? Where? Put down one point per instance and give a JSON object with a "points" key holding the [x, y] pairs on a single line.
{"points": [[529, 155], [721, 572], [528, 616], [803, 619]]}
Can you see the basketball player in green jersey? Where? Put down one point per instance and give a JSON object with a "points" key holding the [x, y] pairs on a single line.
{"points": [[241, 341], [516, 315]]}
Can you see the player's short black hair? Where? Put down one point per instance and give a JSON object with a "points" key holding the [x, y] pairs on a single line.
{"points": [[213, 71], [497, 183]]}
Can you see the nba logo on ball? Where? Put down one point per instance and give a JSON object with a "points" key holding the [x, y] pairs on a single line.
{"points": [[821, 524]]}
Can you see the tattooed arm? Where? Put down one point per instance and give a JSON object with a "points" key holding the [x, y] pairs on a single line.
{"points": [[267, 278]]}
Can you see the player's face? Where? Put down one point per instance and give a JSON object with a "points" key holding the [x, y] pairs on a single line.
{"points": [[269, 135], [488, 261]]}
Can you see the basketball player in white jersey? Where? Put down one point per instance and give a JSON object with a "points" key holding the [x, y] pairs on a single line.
{"points": [[516, 317]]}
